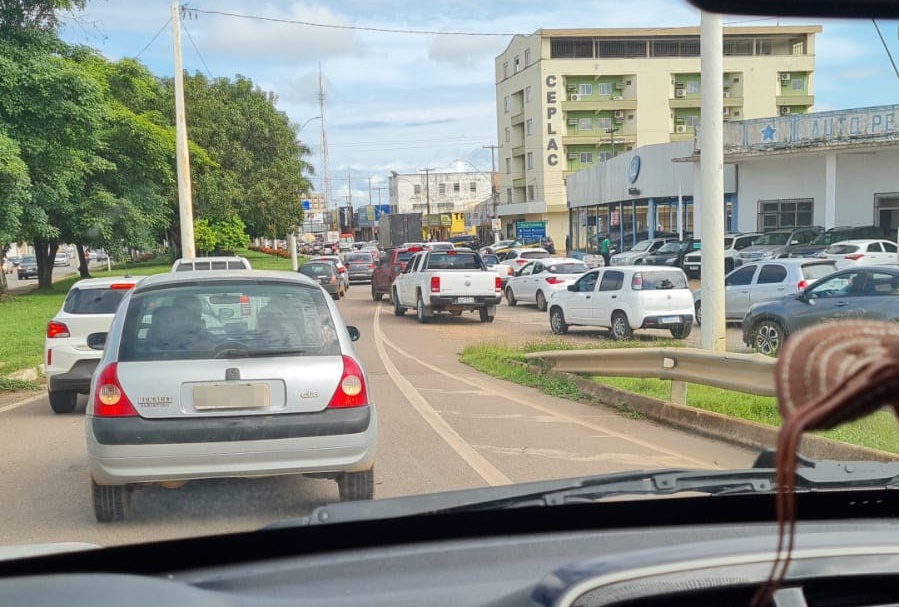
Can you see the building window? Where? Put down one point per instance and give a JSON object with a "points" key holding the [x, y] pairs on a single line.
{"points": [[508, 166], [797, 84], [605, 88], [505, 69], [473, 186], [603, 123], [530, 160], [509, 195], [691, 121], [785, 213], [530, 192], [508, 134], [529, 126], [692, 87], [527, 57], [585, 124], [527, 94], [441, 188], [603, 156], [417, 189], [586, 157], [585, 88], [456, 187], [507, 104], [517, 65]]}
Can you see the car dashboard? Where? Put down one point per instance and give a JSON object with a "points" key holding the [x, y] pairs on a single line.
{"points": [[586, 555]]}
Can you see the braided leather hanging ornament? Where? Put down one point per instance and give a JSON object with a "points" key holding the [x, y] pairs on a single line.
{"points": [[825, 376]]}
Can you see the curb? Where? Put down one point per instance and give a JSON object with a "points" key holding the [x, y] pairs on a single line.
{"points": [[715, 425]]}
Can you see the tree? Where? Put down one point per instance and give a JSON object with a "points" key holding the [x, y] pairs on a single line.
{"points": [[14, 188], [18, 16], [204, 236], [231, 234]]}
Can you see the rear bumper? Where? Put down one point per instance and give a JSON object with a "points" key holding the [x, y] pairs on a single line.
{"points": [[76, 379], [135, 450], [665, 321], [479, 301]]}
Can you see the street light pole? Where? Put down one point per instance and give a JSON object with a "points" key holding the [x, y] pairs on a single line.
{"points": [[428, 195], [611, 131]]}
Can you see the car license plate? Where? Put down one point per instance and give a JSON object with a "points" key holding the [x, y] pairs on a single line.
{"points": [[691, 266], [231, 395], [465, 300], [670, 320]]}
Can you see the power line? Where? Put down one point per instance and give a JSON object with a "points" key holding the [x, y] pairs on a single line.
{"points": [[153, 39], [197, 50], [351, 27], [886, 48]]}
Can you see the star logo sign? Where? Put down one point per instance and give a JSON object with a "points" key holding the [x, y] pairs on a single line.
{"points": [[768, 133]]}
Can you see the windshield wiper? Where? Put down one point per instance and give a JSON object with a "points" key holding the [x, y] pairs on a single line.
{"points": [[811, 476], [257, 353]]}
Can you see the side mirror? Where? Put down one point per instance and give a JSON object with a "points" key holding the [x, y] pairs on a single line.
{"points": [[572, 288], [96, 341], [794, 242], [397, 267], [354, 332]]}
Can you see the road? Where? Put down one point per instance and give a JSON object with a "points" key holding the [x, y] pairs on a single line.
{"points": [[442, 426]]}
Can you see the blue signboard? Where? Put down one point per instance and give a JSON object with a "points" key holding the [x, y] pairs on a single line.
{"points": [[530, 229], [307, 205]]}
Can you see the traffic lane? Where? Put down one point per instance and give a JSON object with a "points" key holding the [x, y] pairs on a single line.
{"points": [[522, 433]]}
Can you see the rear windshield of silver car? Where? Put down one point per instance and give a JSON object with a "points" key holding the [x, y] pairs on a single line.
{"points": [[228, 320], [357, 258], [568, 268], [100, 300]]}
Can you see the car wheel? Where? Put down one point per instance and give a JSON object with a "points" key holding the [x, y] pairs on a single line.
{"points": [[768, 336], [63, 401], [484, 315], [110, 502], [375, 294], [557, 321], [420, 310], [456, 312], [698, 307], [681, 331], [620, 328], [510, 297], [356, 486], [541, 301], [398, 310]]}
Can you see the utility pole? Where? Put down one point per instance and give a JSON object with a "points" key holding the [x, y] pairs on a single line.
{"points": [[349, 204], [428, 196], [493, 188], [369, 190], [324, 152], [611, 131], [379, 195], [182, 158]]}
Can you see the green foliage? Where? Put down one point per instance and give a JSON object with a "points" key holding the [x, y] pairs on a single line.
{"points": [[231, 234], [20, 16], [204, 236]]}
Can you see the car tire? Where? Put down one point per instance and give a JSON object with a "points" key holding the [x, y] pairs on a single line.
{"points": [[620, 329], [63, 401], [375, 294], [541, 301], [557, 321], [398, 310], [767, 337], [682, 331], [697, 307], [484, 315], [420, 310], [111, 502], [356, 486], [510, 297]]}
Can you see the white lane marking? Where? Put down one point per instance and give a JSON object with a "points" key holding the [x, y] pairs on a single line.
{"points": [[548, 411], [21, 403], [475, 460]]}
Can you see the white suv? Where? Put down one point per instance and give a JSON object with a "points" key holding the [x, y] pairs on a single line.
{"points": [[733, 244], [75, 337], [625, 298], [211, 263]]}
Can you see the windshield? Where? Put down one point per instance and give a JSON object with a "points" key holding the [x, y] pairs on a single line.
{"points": [[312, 127]]}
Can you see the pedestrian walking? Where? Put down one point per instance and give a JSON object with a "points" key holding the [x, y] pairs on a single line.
{"points": [[604, 251]]}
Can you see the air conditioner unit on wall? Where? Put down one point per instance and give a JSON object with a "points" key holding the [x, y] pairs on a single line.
{"points": [[618, 98], [680, 93], [574, 97], [785, 109], [785, 76], [681, 128], [726, 94], [619, 114], [619, 85]]}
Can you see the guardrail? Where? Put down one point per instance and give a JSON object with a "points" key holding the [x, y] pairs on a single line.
{"points": [[750, 373]]}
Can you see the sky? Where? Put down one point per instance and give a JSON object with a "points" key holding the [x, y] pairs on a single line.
{"points": [[401, 101]]}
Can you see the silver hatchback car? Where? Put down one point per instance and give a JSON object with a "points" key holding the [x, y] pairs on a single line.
{"points": [[210, 374]]}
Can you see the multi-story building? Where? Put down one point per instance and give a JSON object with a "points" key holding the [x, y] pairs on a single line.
{"points": [[438, 196], [567, 99], [316, 217]]}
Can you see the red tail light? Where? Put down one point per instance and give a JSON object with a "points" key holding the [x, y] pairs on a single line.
{"points": [[109, 398], [371, 266], [554, 280], [122, 285], [854, 256], [435, 284], [244, 305], [350, 391], [498, 285], [802, 284], [521, 261], [637, 282], [57, 329]]}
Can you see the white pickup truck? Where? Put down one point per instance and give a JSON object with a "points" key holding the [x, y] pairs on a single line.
{"points": [[446, 281]]}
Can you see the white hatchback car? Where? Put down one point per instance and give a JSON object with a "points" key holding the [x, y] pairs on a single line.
{"points": [[274, 387], [873, 252], [625, 298], [75, 336], [537, 280]]}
